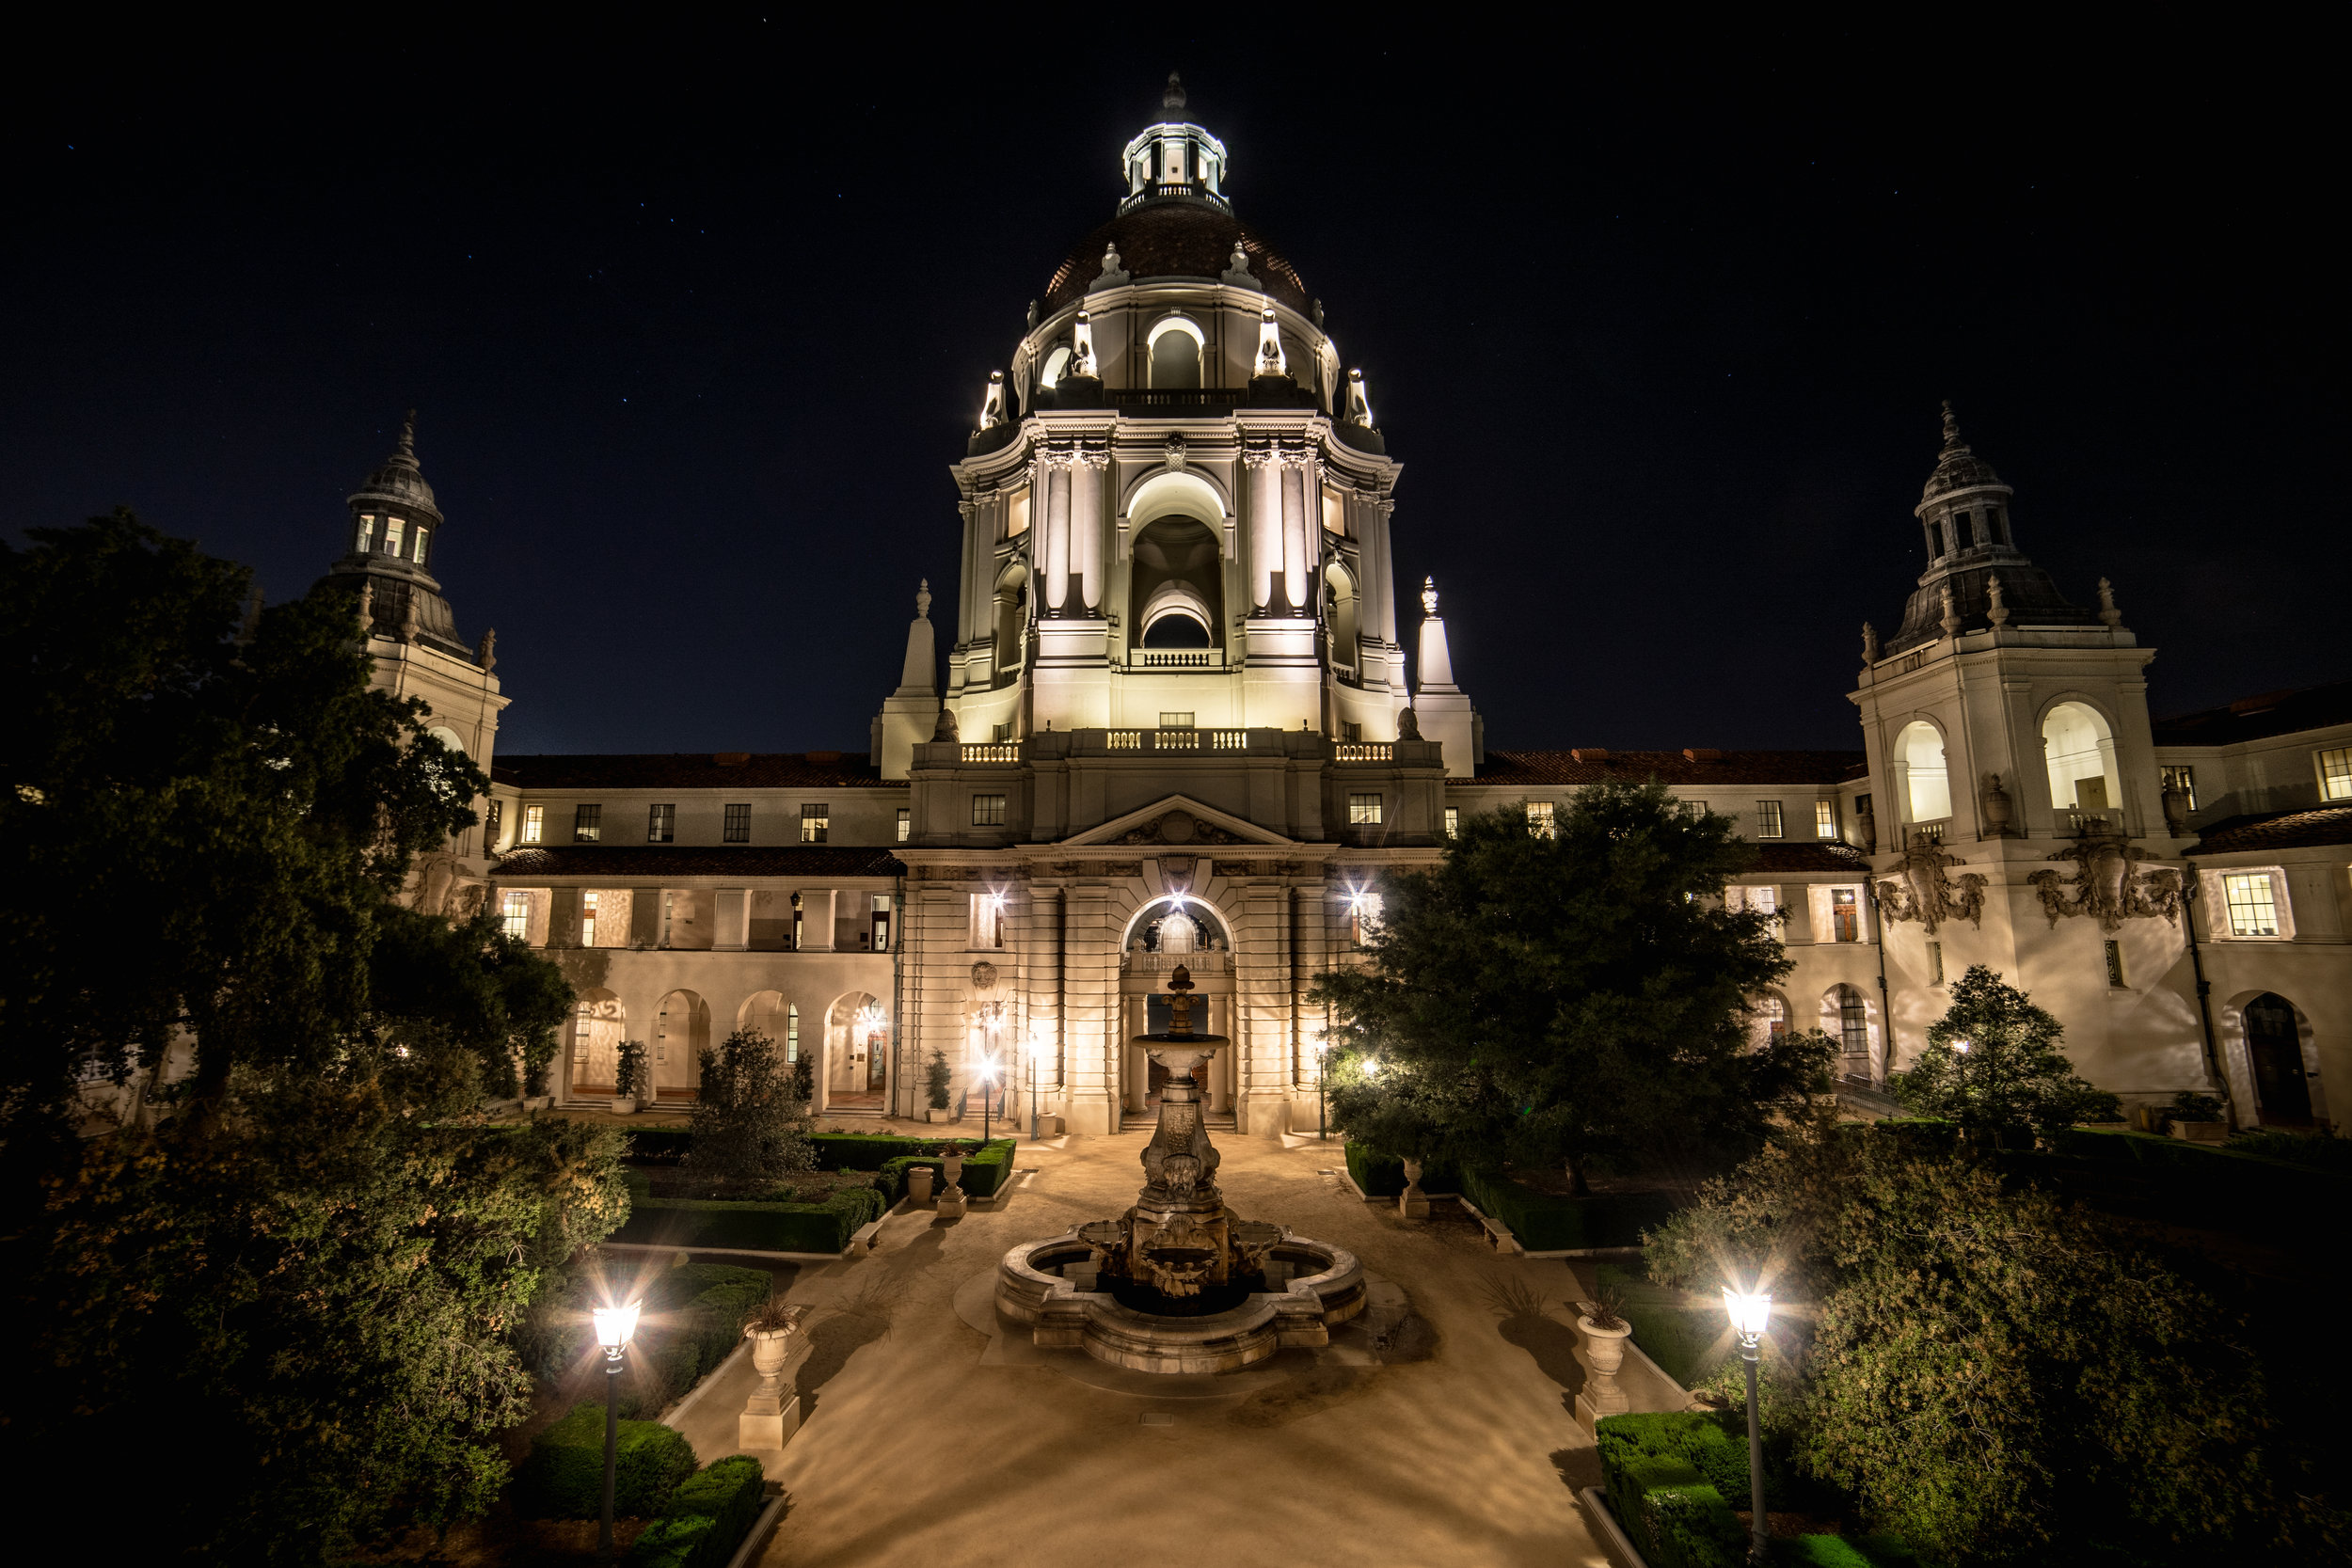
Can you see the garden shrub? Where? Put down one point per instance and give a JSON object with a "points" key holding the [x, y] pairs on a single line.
{"points": [[727, 1225], [1381, 1176], [1686, 1340], [2320, 1151], [563, 1476], [986, 1172], [1690, 1526], [1843, 1551], [706, 1519], [659, 1145], [1544, 1222]]}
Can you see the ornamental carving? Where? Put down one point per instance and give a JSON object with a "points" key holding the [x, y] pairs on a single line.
{"points": [[1926, 890], [1179, 828], [983, 975], [2104, 885]]}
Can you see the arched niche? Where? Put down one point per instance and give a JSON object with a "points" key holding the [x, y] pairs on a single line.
{"points": [[1163, 920], [1177, 493], [1176, 584], [2078, 748], [1176, 347], [599, 1023], [857, 1051], [1920, 774], [1343, 612], [681, 1033], [1011, 615]]}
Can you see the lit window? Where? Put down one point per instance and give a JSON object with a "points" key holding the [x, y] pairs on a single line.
{"points": [[394, 532], [2115, 964], [587, 920], [792, 1032], [988, 920], [1452, 823], [1363, 809], [2253, 910], [736, 828], [535, 823], [587, 824], [1768, 819], [417, 552], [881, 922], [906, 824], [1756, 901], [1935, 962], [816, 819], [1853, 1026], [2335, 775], [1824, 819], [1175, 721], [988, 811], [1845, 915], [1364, 918], [2183, 777], [660, 824], [491, 823], [367, 533], [1539, 819], [515, 914], [1773, 1015]]}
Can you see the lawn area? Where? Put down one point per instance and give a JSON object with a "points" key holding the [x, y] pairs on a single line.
{"points": [[1685, 1334]]}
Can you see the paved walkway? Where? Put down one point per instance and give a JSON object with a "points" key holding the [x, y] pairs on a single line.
{"points": [[926, 1441]]}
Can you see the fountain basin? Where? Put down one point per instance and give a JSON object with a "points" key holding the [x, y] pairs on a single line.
{"points": [[1326, 1288]]}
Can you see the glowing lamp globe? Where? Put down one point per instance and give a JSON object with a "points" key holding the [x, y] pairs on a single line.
{"points": [[1749, 1314], [615, 1324]]}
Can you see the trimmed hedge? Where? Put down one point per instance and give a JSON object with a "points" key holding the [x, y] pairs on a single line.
{"points": [[563, 1478], [706, 1519], [1686, 1340], [1844, 1551], [659, 1145], [985, 1173], [1378, 1176], [1544, 1222], [729, 1225], [1673, 1480]]}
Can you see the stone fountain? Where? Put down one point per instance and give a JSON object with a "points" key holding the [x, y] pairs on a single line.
{"points": [[1179, 1283]]}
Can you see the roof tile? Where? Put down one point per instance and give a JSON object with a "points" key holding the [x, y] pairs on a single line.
{"points": [[2259, 718], [691, 770], [2286, 829], [650, 863]]}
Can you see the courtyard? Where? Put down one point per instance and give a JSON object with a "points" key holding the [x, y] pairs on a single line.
{"points": [[1437, 1430]]}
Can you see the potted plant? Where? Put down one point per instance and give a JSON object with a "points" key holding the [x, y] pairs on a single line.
{"points": [[1605, 1333], [628, 1078], [770, 1328], [936, 1082], [2196, 1118]]}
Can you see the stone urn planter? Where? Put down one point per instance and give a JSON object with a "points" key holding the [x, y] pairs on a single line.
{"points": [[1605, 1348], [935, 1116], [1412, 1203], [951, 1198], [769, 1417], [624, 1104], [919, 1180]]}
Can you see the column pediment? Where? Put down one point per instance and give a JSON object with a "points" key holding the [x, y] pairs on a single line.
{"points": [[1179, 822]]}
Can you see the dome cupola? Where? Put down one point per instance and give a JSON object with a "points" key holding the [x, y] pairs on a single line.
{"points": [[396, 536], [1175, 160]]}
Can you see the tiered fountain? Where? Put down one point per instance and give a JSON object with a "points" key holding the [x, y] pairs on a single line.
{"points": [[1179, 1283]]}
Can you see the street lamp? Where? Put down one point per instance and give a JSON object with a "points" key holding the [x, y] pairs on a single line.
{"points": [[1749, 1314], [1323, 1065], [614, 1326], [1037, 1070]]}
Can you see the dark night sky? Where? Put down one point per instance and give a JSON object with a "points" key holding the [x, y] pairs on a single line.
{"points": [[696, 321]]}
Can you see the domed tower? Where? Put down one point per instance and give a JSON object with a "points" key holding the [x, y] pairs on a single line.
{"points": [[1175, 505], [396, 527]]}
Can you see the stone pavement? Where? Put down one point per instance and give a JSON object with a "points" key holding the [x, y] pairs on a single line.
{"points": [[1449, 1440]]}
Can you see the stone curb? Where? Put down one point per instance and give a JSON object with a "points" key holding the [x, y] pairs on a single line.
{"points": [[1606, 1530], [756, 1537]]}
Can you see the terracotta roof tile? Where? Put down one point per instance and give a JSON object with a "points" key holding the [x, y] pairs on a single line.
{"points": [[625, 862], [2259, 718], [1811, 857], [1668, 768], [691, 770], [2286, 829]]}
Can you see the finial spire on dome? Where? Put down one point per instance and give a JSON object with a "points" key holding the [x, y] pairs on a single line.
{"points": [[1174, 97], [1951, 428], [408, 436]]}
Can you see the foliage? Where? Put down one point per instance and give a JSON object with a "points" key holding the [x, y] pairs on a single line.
{"points": [[1993, 1065], [1994, 1376], [563, 1478], [936, 1080], [2321, 1151], [293, 1244], [1574, 998], [752, 1224], [749, 1128], [987, 1169], [629, 1072], [2189, 1105], [706, 1519]]}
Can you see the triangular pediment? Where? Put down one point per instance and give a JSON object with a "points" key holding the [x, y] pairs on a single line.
{"points": [[1179, 823]]}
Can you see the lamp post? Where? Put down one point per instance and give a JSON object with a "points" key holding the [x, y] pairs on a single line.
{"points": [[1323, 1067], [1037, 1070], [1749, 1315], [988, 1095], [614, 1326]]}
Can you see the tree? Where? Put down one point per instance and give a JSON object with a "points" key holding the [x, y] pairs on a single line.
{"points": [[750, 1127], [1574, 996], [305, 1253], [1993, 1374], [1993, 1065]]}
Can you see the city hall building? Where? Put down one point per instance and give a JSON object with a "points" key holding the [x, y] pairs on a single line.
{"points": [[1189, 716]]}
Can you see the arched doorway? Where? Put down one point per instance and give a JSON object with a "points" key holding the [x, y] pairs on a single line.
{"points": [[1163, 935], [2273, 1048], [598, 1025], [681, 1033], [1846, 1018], [857, 1054]]}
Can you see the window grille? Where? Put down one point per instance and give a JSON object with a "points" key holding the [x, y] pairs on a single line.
{"points": [[2335, 775], [2184, 778], [1175, 721], [1363, 810], [2252, 905], [535, 823], [1824, 819], [660, 824], [515, 914], [587, 824], [988, 811], [1768, 819], [1539, 819], [737, 827], [1853, 1024], [816, 821]]}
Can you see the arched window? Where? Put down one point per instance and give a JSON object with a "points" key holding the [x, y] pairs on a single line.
{"points": [[2080, 753], [1176, 347], [1919, 761], [1848, 1019], [1055, 363], [2274, 1047], [1341, 613], [1769, 1016]]}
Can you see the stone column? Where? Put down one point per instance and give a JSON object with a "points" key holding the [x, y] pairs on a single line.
{"points": [[1298, 560], [1056, 471], [1086, 525], [1264, 521]]}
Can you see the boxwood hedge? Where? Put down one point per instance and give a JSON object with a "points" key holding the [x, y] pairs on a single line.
{"points": [[564, 1476], [706, 1519]]}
